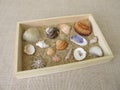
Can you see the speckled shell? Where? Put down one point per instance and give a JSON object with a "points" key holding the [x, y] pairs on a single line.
{"points": [[61, 44], [65, 28], [31, 35], [50, 51]]}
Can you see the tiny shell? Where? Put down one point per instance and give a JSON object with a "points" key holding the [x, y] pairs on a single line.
{"points": [[79, 54], [95, 51], [29, 49], [65, 28], [38, 64], [42, 44], [79, 40], [68, 54], [52, 32], [56, 58], [50, 51], [61, 44], [31, 35], [93, 40]]}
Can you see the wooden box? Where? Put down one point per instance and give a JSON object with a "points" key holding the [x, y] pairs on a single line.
{"points": [[19, 73]]}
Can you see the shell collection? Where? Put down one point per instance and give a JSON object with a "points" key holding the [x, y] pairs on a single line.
{"points": [[53, 46]]}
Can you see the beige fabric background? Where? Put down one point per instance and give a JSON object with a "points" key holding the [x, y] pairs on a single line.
{"points": [[99, 77]]}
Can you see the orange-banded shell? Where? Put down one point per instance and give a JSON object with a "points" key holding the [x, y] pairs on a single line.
{"points": [[61, 44]]}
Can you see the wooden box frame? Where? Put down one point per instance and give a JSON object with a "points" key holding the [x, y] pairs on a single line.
{"points": [[60, 68]]}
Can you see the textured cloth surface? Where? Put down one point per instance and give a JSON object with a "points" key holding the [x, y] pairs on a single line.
{"points": [[99, 77]]}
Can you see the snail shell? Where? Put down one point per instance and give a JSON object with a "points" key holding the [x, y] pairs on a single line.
{"points": [[61, 44], [52, 32], [31, 35]]}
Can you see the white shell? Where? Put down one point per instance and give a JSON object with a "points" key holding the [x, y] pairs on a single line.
{"points": [[79, 54], [42, 44], [93, 40], [29, 49], [95, 51], [31, 35]]}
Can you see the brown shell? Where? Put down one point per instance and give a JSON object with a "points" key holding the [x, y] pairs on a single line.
{"points": [[83, 27], [61, 44]]}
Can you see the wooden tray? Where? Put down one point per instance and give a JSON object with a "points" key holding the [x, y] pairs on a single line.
{"points": [[65, 67]]}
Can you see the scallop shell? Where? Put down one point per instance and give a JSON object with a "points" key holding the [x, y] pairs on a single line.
{"points": [[95, 51], [31, 35], [56, 58], [42, 44], [50, 51], [38, 64], [61, 44], [65, 28], [29, 49], [93, 40], [79, 40], [79, 54], [52, 32]]}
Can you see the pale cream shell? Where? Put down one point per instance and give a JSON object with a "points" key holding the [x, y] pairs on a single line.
{"points": [[31, 35], [29, 49]]}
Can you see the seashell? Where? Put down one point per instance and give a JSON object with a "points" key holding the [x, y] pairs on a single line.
{"points": [[93, 40], [79, 40], [79, 54], [95, 51], [65, 28], [50, 51], [42, 44], [56, 58], [83, 27], [61, 44], [52, 32], [29, 49], [31, 35], [38, 64], [68, 54]]}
